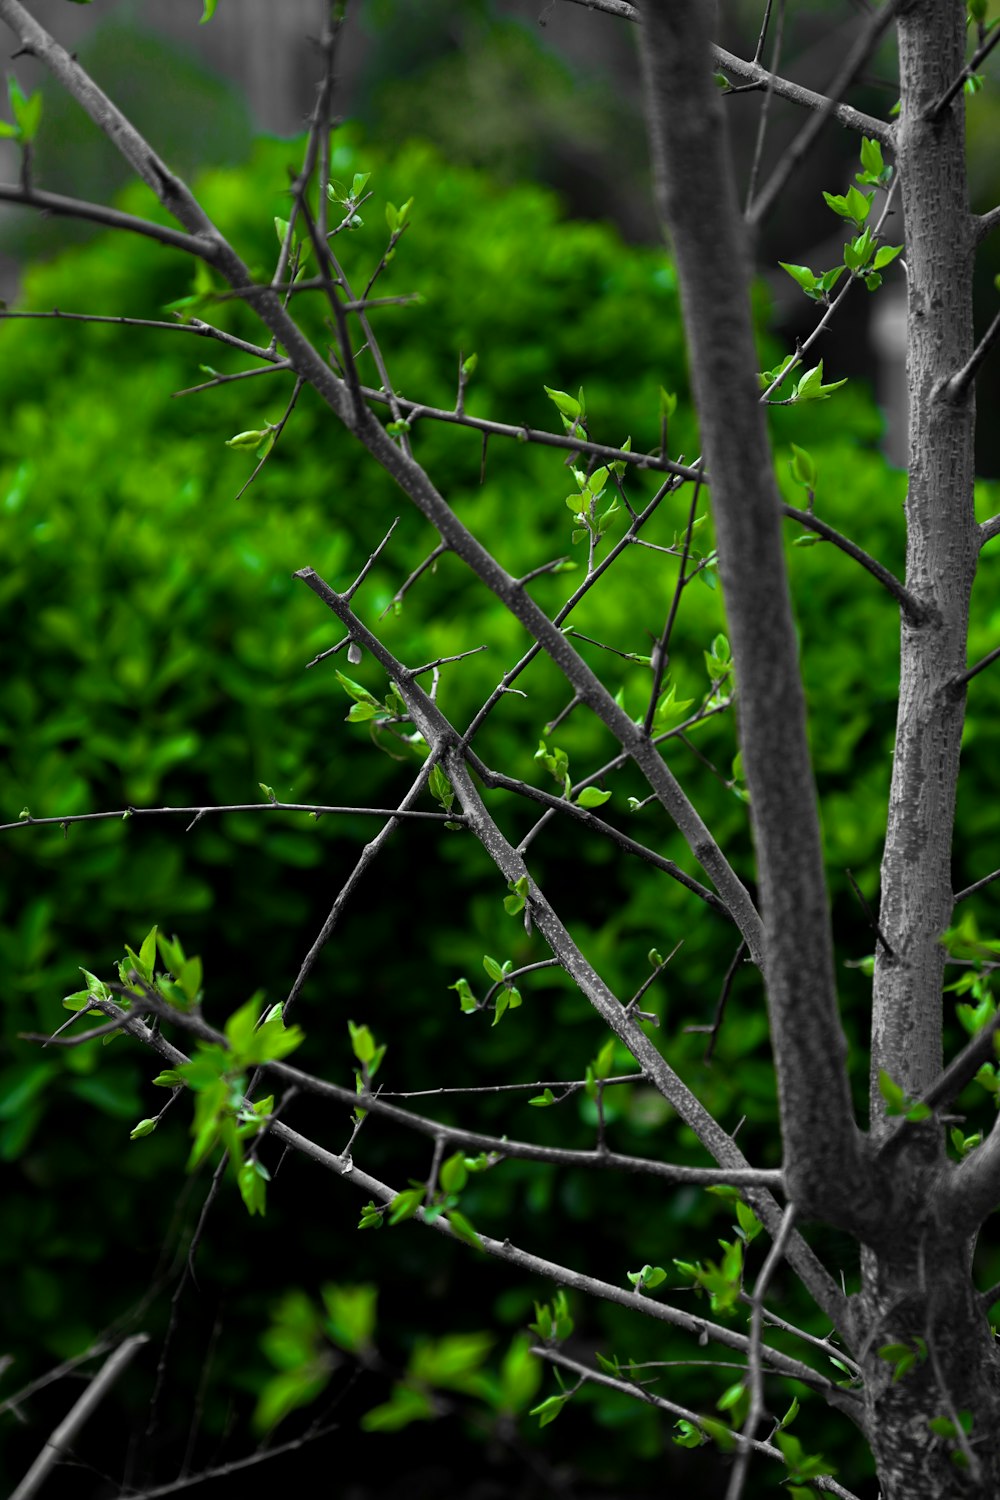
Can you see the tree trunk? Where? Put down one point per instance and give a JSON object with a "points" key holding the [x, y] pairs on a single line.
{"points": [[917, 1286]]}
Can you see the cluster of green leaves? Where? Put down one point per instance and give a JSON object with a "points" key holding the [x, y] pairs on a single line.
{"points": [[306, 1343], [26, 110], [217, 1074]]}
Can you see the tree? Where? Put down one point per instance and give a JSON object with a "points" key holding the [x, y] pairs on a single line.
{"points": [[912, 1191]]}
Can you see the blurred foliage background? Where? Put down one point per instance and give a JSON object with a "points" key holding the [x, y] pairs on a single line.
{"points": [[155, 653]]}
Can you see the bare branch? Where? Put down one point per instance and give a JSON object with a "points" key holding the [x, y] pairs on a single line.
{"points": [[978, 885], [958, 387], [914, 611], [61, 1441], [878, 21], [988, 530], [315, 809], [753, 73], [937, 109], [108, 218], [987, 222], [974, 671]]}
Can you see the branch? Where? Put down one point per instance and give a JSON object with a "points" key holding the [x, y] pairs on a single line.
{"points": [[61, 1440], [986, 223], [827, 1172], [968, 1193], [752, 73], [958, 683], [878, 20], [988, 530], [629, 1388], [108, 218], [957, 388], [978, 885], [221, 1471], [441, 736], [963, 1067], [915, 612], [197, 813], [536, 435], [343, 1166], [937, 109], [194, 325], [496, 780]]}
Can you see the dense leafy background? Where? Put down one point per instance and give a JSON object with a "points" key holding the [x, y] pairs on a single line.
{"points": [[157, 653]]}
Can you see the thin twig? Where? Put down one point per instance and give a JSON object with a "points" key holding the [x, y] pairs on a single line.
{"points": [[633, 1388], [720, 1005], [316, 808], [872, 919], [754, 1359], [765, 109], [914, 611], [980, 666], [978, 885], [878, 21], [753, 73], [983, 51]]}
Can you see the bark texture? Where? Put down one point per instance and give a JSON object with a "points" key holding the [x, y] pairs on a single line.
{"points": [[824, 1157]]}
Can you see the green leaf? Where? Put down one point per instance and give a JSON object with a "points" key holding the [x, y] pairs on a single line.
{"points": [[144, 1127], [168, 1079], [517, 901], [790, 1414], [852, 205], [241, 1025], [688, 1435], [404, 1406], [364, 1047], [565, 404], [592, 796], [251, 439], [273, 1040], [520, 1375], [803, 467], [464, 1230], [543, 1100], [440, 788], [454, 1174], [207, 13], [811, 388], [467, 999], [27, 111], [405, 1204], [252, 1179], [356, 691], [351, 1312], [885, 255], [469, 365], [548, 1410], [492, 968], [802, 275]]}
